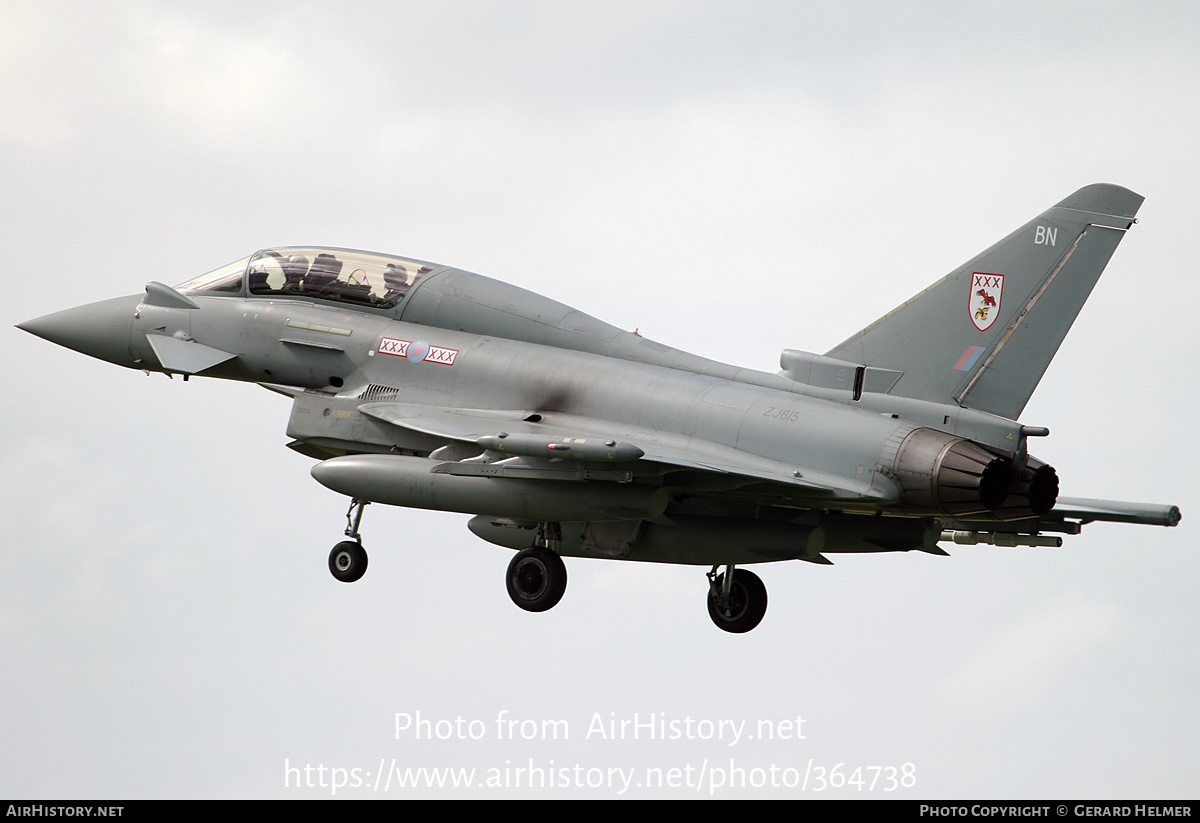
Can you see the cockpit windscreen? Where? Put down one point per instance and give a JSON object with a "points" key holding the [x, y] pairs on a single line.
{"points": [[227, 278]]}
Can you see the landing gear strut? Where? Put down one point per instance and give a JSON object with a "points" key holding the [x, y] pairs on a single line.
{"points": [[537, 577], [737, 599], [348, 560]]}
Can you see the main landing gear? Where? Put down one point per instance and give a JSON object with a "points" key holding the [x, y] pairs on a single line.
{"points": [[537, 577], [348, 560], [737, 599]]}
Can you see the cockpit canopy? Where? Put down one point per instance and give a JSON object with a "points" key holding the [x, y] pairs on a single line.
{"points": [[362, 278], [428, 294]]}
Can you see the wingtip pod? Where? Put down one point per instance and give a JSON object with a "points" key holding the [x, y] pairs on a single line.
{"points": [[1117, 511], [1104, 198]]}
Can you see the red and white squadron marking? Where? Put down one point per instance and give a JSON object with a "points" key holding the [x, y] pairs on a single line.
{"points": [[398, 348], [437, 354], [418, 351]]}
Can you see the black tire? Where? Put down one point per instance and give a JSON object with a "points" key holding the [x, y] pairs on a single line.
{"points": [[348, 561], [747, 603], [537, 579]]}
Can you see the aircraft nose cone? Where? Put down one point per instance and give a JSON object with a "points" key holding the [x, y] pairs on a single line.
{"points": [[98, 330]]}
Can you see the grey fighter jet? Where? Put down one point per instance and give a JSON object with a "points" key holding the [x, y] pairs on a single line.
{"points": [[417, 384]]}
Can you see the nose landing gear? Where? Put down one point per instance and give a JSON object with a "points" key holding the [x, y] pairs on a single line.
{"points": [[348, 560]]}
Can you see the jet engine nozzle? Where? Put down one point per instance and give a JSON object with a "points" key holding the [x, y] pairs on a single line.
{"points": [[1031, 492], [944, 474]]}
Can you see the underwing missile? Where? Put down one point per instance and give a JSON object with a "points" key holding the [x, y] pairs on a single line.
{"points": [[591, 449]]}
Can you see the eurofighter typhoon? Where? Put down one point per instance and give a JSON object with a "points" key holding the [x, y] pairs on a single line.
{"points": [[417, 384]]}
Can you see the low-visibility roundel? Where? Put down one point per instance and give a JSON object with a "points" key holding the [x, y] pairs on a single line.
{"points": [[417, 350]]}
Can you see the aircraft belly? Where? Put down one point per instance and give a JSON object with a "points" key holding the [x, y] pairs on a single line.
{"points": [[707, 541]]}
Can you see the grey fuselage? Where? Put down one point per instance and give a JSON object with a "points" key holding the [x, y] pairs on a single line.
{"points": [[420, 385], [429, 371]]}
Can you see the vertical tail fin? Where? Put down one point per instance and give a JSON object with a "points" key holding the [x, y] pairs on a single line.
{"points": [[983, 336]]}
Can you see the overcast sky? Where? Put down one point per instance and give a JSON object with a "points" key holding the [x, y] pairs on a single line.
{"points": [[731, 179]]}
